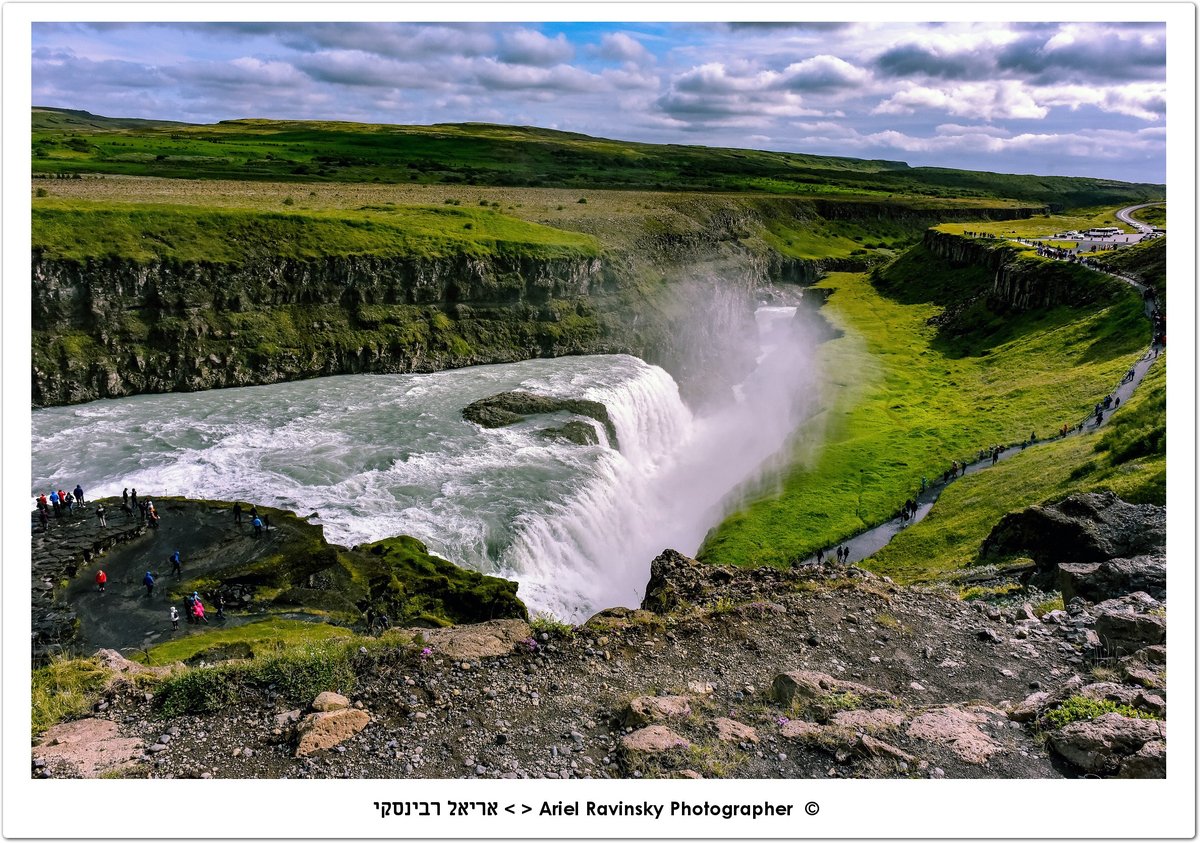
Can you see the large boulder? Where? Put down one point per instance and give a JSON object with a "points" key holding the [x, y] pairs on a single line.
{"points": [[1092, 527], [645, 710], [511, 407], [1098, 581], [1129, 623], [329, 701], [87, 749], [677, 582], [1149, 762], [326, 729], [476, 641], [653, 740], [958, 729], [1101, 745], [734, 731], [800, 686]]}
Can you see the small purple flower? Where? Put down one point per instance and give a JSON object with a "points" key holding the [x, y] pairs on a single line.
{"points": [[427, 652], [782, 720], [531, 645]]}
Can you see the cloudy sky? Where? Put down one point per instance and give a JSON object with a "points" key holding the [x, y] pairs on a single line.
{"points": [[1047, 98]]}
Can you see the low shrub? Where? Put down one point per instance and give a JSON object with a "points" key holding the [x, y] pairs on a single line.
{"points": [[1074, 709]]}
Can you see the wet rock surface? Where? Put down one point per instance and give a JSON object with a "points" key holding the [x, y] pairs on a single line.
{"points": [[508, 408]]}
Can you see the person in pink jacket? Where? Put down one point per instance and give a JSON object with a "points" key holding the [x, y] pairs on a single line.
{"points": [[198, 611]]}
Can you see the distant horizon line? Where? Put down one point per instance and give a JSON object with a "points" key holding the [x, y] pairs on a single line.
{"points": [[580, 134]]}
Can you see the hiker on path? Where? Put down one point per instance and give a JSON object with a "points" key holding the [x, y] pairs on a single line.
{"points": [[133, 501], [266, 519], [79, 494], [44, 520], [153, 517], [187, 602], [54, 502], [219, 603], [125, 495], [237, 514], [820, 555], [102, 513], [148, 581], [923, 485], [198, 609], [176, 563], [101, 580], [258, 525], [174, 618]]}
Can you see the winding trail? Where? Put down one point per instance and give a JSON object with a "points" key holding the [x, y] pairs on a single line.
{"points": [[871, 541]]}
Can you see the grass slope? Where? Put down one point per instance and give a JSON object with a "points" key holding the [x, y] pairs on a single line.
{"points": [[906, 397], [74, 230], [1144, 261], [1128, 457], [475, 153]]}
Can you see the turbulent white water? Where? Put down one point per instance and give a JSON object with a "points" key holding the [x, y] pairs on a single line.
{"points": [[381, 455]]}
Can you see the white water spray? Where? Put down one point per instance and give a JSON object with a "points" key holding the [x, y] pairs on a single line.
{"points": [[672, 480]]}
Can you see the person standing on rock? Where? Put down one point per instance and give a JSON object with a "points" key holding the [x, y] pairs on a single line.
{"points": [[43, 519], [176, 564], [125, 495], [258, 526], [102, 513], [79, 494], [148, 581], [219, 604], [54, 502], [237, 514], [187, 602], [198, 610], [133, 501], [820, 555], [174, 619], [101, 580]]}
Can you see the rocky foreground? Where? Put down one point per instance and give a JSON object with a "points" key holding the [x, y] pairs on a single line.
{"points": [[822, 672]]}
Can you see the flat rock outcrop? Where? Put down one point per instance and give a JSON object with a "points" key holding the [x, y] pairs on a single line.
{"points": [[1093, 527], [1101, 745], [87, 749]]}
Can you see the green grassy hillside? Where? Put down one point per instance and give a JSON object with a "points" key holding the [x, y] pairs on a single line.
{"points": [[1144, 261], [925, 373], [1128, 457], [73, 230], [484, 154]]}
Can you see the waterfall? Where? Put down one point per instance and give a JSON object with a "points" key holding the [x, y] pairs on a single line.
{"points": [[671, 481]]}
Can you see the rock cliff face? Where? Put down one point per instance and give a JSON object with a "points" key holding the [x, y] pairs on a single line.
{"points": [[1021, 281], [107, 328], [113, 328]]}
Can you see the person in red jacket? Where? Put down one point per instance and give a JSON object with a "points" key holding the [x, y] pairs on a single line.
{"points": [[101, 580]]}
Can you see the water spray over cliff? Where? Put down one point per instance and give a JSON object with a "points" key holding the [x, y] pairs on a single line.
{"points": [[673, 481]]}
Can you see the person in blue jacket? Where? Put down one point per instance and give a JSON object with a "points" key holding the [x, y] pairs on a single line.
{"points": [[148, 581], [176, 564]]}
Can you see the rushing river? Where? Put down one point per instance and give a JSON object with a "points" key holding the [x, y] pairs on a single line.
{"points": [[380, 455]]}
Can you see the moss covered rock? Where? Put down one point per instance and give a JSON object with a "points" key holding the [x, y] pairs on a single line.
{"points": [[511, 407]]}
